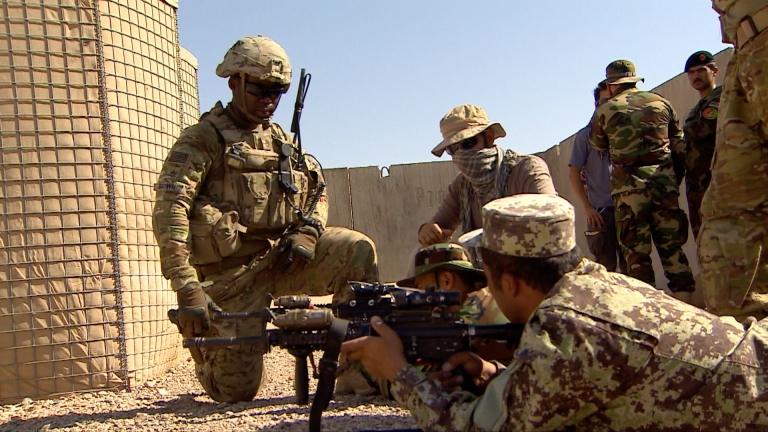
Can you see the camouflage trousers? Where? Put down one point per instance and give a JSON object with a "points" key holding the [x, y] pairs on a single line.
{"points": [[235, 374], [733, 240], [653, 215]]}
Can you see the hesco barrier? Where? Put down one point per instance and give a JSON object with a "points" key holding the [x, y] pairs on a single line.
{"points": [[92, 95]]}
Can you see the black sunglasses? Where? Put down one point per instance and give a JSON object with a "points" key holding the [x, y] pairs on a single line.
{"points": [[465, 144], [265, 91]]}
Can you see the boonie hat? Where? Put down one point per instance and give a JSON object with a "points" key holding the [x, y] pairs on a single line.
{"points": [[620, 72], [444, 256], [462, 122], [525, 225]]}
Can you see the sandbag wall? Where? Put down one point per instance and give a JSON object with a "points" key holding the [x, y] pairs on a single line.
{"points": [[90, 102]]}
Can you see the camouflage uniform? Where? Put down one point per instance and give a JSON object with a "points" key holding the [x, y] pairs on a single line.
{"points": [[699, 132], [602, 351], [638, 128], [219, 218], [733, 242], [478, 307]]}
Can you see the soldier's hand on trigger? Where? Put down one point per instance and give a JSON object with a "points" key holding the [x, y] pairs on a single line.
{"points": [[431, 233], [194, 304], [298, 248], [381, 356]]}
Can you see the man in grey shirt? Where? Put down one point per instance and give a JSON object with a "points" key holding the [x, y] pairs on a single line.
{"points": [[593, 167]]}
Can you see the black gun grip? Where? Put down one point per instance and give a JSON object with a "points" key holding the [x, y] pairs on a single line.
{"points": [[301, 383], [468, 381]]}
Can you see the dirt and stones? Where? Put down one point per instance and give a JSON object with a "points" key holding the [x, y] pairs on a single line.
{"points": [[176, 402]]}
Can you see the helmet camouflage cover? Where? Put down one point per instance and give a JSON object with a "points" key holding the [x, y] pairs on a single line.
{"points": [[259, 57]]}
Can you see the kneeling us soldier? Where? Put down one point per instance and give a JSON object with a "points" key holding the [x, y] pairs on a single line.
{"points": [[599, 351], [240, 213]]}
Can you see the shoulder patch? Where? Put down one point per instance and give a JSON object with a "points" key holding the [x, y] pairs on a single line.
{"points": [[709, 113], [178, 158]]}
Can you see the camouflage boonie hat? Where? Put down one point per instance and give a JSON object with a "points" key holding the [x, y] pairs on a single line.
{"points": [[620, 72], [699, 58], [526, 225], [444, 256], [462, 122], [259, 57]]}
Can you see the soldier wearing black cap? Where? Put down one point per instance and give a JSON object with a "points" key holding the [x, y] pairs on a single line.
{"points": [[699, 128]]}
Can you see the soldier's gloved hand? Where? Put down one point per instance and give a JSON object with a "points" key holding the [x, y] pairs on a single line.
{"points": [[194, 303], [298, 248]]}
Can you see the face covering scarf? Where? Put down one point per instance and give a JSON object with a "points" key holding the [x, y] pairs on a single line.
{"points": [[480, 168]]}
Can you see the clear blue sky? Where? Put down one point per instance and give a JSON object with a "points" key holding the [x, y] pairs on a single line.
{"points": [[385, 72]]}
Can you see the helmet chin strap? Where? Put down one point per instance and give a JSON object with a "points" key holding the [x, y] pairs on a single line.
{"points": [[240, 106]]}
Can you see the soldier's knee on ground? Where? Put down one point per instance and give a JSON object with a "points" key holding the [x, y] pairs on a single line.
{"points": [[231, 377], [364, 258]]}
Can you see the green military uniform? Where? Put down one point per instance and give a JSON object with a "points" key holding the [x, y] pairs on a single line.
{"points": [[602, 351], [640, 130], [733, 242], [699, 132], [221, 218]]}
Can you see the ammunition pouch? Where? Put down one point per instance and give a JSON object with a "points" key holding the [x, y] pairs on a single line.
{"points": [[254, 182], [214, 235]]}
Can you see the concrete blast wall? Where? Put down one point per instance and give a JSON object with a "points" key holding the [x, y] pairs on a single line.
{"points": [[390, 208]]}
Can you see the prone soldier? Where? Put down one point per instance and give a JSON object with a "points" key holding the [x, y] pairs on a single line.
{"points": [[599, 350]]}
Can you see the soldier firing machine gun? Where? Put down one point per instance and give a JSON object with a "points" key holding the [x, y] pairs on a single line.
{"points": [[428, 328]]}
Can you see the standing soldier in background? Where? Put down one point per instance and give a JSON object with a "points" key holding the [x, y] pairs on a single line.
{"points": [[486, 171], [733, 240], [241, 213], [699, 132], [638, 128], [594, 166]]}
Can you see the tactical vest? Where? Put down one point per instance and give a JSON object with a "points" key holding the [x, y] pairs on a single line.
{"points": [[241, 207]]}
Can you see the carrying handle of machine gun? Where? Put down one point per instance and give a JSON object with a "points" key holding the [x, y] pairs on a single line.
{"points": [[298, 107]]}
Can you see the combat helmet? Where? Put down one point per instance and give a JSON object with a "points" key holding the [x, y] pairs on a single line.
{"points": [[259, 57]]}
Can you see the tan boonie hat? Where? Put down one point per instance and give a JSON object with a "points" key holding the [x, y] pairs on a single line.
{"points": [[620, 72], [444, 256], [526, 225], [462, 122]]}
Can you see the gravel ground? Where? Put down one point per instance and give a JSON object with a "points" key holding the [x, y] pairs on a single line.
{"points": [[176, 402]]}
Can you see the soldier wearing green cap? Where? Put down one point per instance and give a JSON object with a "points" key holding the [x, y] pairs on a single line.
{"points": [[640, 130], [699, 131], [448, 267], [599, 351], [240, 213], [733, 239]]}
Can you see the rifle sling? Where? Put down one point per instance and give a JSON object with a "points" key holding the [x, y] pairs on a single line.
{"points": [[327, 375]]}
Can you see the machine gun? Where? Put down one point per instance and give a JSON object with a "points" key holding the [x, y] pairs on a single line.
{"points": [[426, 322]]}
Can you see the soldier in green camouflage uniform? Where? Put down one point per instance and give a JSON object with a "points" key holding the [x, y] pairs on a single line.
{"points": [[640, 130], [448, 267], [232, 229], [699, 132], [733, 241], [600, 351]]}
